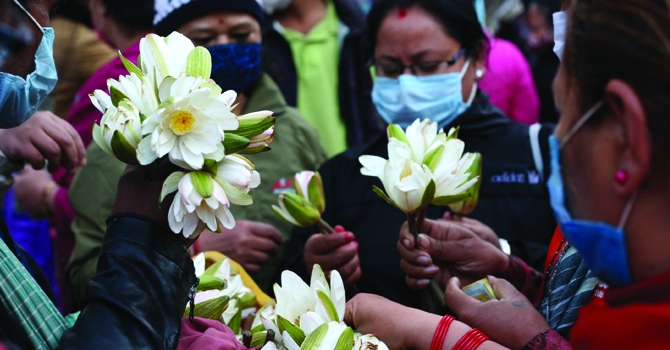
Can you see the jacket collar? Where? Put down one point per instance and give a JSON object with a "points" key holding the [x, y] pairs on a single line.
{"points": [[480, 121], [266, 96], [347, 11]]}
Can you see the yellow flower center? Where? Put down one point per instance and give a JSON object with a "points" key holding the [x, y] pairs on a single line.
{"points": [[182, 122]]}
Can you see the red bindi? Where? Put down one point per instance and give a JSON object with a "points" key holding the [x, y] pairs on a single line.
{"points": [[402, 13]]}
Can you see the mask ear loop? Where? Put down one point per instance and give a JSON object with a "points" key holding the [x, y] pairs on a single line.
{"points": [[627, 210], [581, 122], [474, 86], [29, 15]]}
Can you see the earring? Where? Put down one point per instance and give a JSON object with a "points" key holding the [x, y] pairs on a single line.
{"points": [[479, 73], [621, 177]]}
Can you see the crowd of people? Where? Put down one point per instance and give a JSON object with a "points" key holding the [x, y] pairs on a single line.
{"points": [[564, 100]]}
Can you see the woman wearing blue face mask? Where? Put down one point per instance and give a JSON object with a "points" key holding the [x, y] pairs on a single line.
{"points": [[230, 30], [608, 187], [429, 56]]}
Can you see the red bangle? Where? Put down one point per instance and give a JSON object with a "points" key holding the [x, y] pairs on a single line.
{"points": [[471, 340], [441, 333]]}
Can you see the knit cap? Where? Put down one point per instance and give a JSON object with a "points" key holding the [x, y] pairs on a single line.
{"points": [[172, 14]]}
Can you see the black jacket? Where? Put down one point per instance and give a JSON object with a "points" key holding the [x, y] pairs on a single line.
{"points": [[515, 210], [355, 83], [138, 296]]}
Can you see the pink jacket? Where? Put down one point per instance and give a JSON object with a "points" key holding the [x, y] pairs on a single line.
{"points": [[509, 82]]}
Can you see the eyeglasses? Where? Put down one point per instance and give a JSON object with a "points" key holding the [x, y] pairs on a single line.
{"points": [[393, 70]]}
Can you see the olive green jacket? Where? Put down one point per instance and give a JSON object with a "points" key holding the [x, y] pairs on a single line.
{"points": [[296, 147]]}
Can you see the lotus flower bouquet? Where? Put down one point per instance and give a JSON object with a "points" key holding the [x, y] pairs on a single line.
{"points": [[167, 110], [311, 316], [304, 208], [424, 167]]}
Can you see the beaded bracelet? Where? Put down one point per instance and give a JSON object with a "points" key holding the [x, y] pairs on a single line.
{"points": [[471, 340], [441, 333]]}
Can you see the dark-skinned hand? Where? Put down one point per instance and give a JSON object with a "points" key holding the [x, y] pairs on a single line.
{"points": [[335, 251], [447, 250], [511, 320]]}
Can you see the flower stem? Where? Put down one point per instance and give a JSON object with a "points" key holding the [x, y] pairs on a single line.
{"points": [[438, 292], [458, 217], [411, 222], [324, 227]]}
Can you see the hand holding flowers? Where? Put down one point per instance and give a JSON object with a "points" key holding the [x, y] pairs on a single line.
{"points": [[167, 108]]}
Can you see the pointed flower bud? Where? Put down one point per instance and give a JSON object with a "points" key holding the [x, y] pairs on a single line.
{"points": [[297, 210], [260, 142], [472, 164], [309, 185], [254, 124]]}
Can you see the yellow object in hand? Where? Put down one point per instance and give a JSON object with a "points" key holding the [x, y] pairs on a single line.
{"points": [[480, 290]]}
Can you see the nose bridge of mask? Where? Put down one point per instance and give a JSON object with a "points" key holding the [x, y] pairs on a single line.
{"points": [[29, 15]]}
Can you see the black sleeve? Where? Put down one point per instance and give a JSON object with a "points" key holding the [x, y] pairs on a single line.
{"points": [[139, 294], [546, 131]]}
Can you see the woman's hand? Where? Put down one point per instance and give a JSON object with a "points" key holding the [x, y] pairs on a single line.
{"points": [[511, 320], [249, 243], [335, 251], [445, 251], [398, 326]]}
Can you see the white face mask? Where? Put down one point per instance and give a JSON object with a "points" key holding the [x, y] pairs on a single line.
{"points": [[270, 6], [560, 29]]}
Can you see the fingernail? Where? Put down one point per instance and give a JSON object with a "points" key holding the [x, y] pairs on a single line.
{"points": [[431, 270], [424, 260], [339, 228], [423, 241], [349, 236], [355, 244], [422, 283], [407, 243]]}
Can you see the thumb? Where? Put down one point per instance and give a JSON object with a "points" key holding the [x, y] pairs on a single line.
{"points": [[456, 299], [503, 289]]}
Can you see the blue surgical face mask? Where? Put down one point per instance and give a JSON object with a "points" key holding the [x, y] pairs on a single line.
{"points": [[234, 66], [20, 98], [436, 97], [602, 246]]}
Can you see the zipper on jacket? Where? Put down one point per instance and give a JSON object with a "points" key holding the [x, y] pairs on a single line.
{"points": [[191, 298]]}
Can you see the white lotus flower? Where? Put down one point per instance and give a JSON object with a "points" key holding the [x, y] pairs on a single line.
{"points": [[404, 180], [188, 130], [138, 90], [369, 342], [422, 137], [119, 132], [309, 185], [164, 57], [239, 172], [199, 203]]}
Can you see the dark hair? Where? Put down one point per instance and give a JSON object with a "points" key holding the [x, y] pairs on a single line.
{"points": [[458, 18], [546, 7], [627, 40], [135, 15]]}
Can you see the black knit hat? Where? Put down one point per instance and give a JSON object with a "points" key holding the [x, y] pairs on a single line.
{"points": [[172, 14]]}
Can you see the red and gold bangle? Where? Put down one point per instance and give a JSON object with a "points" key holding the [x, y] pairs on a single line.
{"points": [[441, 333], [471, 340]]}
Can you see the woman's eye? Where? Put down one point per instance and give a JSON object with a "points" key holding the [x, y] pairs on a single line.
{"points": [[240, 37], [390, 70], [428, 67], [202, 41]]}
